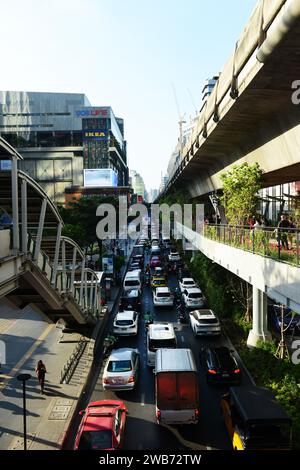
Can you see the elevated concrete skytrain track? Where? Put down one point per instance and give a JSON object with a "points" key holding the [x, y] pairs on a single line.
{"points": [[250, 116]]}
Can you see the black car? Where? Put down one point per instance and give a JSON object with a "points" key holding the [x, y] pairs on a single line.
{"points": [[220, 365], [130, 300]]}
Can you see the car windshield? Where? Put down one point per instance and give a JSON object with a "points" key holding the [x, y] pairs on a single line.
{"points": [[93, 440], [210, 321], [195, 295], [155, 344], [131, 283], [268, 435], [124, 322], [119, 366], [163, 294], [188, 283]]}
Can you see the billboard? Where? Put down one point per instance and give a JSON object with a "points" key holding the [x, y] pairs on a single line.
{"points": [[92, 112], [95, 135], [100, 177]]}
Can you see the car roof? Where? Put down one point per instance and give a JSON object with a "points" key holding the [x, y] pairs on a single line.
{"points": [[130, 294], [180, 359], [100, 415], [121, 353], [162, 289], [161, 330], [257, 404], [203, 313], [187, 279], [193, 290], [126, 315]]}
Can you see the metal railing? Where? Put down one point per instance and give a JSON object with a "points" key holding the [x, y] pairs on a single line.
{"points": [[69, 368], [272, 242]]}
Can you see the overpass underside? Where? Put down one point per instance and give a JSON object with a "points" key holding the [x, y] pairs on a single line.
{"points": [[262, 125]]}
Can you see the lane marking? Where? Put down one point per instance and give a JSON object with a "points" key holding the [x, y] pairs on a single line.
{"points": [[143, 399], [182, 338], [184, 442], [28, 354]]}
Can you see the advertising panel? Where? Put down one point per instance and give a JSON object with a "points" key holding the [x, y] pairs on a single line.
{"points": [[95, 135], [100, 177]]}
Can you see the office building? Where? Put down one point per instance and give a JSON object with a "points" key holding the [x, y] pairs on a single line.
{"points": [[60, 135]]}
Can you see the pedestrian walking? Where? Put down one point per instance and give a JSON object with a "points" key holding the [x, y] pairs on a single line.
{"points": [[41, 372]]}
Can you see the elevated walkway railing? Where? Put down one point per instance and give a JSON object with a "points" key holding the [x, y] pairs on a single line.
{"points": [[272, 242]]}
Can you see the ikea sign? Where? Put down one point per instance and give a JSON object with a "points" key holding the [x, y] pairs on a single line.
{"points": [[95, 135]]}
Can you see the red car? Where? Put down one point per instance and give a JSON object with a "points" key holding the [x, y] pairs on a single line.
{"points": [[102, 426], [155, 261]]}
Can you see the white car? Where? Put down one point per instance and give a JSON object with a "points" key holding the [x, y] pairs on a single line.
{"points": [[193, 298], [174, 256], [162, 297], [121, 369], [155, 249], [187, 283], [204, 323], [126, 323]]}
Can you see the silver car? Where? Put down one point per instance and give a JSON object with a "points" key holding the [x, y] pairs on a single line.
{"points": [[121, 369]]}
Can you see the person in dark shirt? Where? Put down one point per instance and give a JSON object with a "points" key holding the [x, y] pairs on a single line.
{"points": [[283, 229], [41, 372]]}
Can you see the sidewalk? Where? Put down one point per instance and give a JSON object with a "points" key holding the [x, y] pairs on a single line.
{"points": [[48, 416]]}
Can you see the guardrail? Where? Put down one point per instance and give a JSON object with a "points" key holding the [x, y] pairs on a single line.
{"points": [[281, 244], [70, 366]]}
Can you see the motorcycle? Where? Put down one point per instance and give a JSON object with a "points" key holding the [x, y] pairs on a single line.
{"points": [[181, 313], [148, 319], [108, 344]]}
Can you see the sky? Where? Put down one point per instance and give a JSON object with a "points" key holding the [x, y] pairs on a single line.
{"points": [[127, 54]]}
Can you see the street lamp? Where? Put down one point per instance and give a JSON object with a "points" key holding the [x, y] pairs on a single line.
{"points": [[23, 378]]}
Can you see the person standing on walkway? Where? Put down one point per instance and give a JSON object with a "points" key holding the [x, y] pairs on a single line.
{"points": [[283, 228], [41, 372]]}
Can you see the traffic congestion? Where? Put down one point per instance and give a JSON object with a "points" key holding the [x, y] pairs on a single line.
{"points": [[166, 368]]}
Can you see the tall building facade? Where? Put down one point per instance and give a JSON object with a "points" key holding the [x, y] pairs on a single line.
{"points": [[61, 134], [138, 184]]}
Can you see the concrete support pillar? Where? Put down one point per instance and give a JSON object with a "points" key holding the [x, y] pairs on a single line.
{"points": [[39, 235], [259, 326], [56, 255], [24, 215], [15, 205]]}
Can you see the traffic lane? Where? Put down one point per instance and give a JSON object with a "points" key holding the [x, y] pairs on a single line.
{"points": [[142, 431], [211, 431]]}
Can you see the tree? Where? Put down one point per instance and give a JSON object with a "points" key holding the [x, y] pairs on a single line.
{"points": [[81, 220], [240, 187]]}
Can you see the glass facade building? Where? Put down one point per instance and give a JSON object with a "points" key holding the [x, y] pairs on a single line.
{"points": [[61, 134]]}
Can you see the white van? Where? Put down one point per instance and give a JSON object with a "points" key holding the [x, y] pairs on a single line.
{"points": [[133, 280], [160, 335], [176, 387]]}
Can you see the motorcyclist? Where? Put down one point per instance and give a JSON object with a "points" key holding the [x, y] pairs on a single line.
{"points": [[148, 318]]}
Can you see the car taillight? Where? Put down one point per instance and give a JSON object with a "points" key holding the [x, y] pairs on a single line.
{"points": [[158, 414], [131, 379], [197, 413], [106, 380], [212, 371], [237, 371]]}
